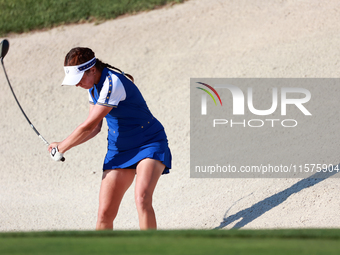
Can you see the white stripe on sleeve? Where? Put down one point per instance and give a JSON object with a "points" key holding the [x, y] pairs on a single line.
{"points": [[112, 91], [90, 97]]}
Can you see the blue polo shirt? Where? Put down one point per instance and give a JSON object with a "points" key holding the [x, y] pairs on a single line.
{"points": [[134, 133]]}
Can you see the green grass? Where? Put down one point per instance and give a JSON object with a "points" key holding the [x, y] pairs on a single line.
{"points": [[307, 241], [25, 15]]}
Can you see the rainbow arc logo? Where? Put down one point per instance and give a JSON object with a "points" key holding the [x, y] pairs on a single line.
{"points": [[209, 93], [204, 97]]}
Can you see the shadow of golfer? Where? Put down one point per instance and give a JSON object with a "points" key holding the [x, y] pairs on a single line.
{"points": [[256, 210]]}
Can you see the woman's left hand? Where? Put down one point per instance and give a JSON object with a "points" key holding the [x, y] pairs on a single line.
{"points": [[52, 145]]}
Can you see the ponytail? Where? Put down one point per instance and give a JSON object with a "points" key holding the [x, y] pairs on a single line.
{"points": [[100, 65]]}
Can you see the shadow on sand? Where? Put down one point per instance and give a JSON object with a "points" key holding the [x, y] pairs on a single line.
{"points": [[256, 210]]}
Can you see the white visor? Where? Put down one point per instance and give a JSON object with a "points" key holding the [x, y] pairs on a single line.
{"points": [[73, 74]]}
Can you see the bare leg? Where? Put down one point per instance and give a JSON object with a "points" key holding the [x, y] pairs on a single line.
{"points": [[113, 187], [148, 172]]}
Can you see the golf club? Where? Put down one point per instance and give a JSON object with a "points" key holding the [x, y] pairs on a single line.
{"points": [[4, 46]]}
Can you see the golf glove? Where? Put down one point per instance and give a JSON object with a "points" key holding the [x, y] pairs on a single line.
{"points": [[56, 155]]}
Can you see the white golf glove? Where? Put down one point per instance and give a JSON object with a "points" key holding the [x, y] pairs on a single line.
{"points": [[56, 155]]}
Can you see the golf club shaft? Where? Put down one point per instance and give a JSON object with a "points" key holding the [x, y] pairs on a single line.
{"points": [[35, 130]]}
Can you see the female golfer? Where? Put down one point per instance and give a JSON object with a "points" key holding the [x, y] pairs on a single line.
{"points": [[137, 143]]}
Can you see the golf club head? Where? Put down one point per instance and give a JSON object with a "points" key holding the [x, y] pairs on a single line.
{"points": [[4, 46]]}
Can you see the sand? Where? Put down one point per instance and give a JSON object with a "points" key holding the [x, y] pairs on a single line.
{"points": [[162, 49]]}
